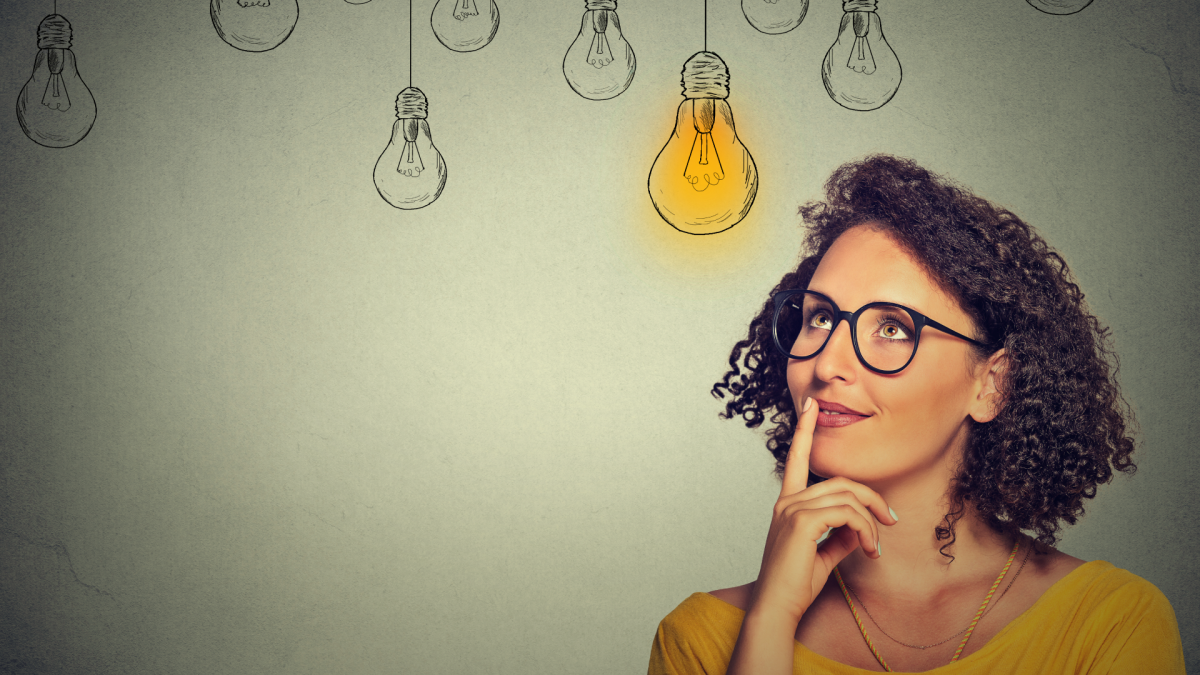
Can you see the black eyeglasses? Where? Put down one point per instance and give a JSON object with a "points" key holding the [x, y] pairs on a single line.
{"points": [[889, 333]]}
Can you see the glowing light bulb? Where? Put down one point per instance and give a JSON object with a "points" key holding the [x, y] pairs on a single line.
{"points": [[600, 63], [704, 180], [1059, 6], [55, 108], [254, 25], [774, 16], [465, 25], [410, 173], [861, 72]]}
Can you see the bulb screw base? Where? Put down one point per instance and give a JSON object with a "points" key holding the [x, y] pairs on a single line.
{"points": [[705, 75], [54, 32], [600, 4], [859, 5], [411, 103]]}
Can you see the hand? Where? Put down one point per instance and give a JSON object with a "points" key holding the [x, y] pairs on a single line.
{"points": [[794, 568]]}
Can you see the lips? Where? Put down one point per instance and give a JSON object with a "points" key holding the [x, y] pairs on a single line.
{"points": [[837, 415]]}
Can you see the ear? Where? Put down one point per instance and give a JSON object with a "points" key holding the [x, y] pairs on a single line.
{"points": [[989, 384]]}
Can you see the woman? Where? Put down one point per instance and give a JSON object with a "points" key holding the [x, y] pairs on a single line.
{"points": [[936, 388]]}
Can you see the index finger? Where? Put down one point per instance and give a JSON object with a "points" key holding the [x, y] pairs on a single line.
{"points": [[795, 471]]}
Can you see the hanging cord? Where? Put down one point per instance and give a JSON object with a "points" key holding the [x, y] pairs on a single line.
{"points": [[705, 25], [409, 42]]}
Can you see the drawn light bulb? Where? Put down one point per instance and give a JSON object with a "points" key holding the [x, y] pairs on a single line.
{"points": [[465, 25], [254, 25], [600, 64], [774, 16], [861, 72], [1059, 6], [410, 173], [55, 108], [704, 180]]}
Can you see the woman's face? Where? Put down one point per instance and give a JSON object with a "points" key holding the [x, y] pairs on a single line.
{"points": [[912, 424]]}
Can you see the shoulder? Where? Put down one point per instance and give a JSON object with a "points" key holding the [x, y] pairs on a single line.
{"points": [[697, 636]]}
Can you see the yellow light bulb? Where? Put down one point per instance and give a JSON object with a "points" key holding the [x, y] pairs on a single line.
{"points": [[55, 108], [254, 25], [860, 71], [410, 172], [704, 180]]}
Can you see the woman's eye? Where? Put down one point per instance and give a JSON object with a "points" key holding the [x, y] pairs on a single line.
{"points": [[892, 331], [819, 320]]}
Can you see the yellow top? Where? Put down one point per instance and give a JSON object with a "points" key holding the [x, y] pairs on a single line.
{"points": [[1097, 619]]}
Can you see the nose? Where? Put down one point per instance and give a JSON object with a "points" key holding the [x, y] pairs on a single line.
{"points": [[837, 361]]}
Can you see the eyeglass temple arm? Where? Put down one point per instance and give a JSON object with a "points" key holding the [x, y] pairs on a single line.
{"points": [[933, 324]]}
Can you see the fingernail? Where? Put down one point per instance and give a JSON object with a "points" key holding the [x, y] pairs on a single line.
{"points": [[894, 516], [879, 547], [807, 404], [824, 536]]}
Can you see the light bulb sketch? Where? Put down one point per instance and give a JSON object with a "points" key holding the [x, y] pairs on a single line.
{"points": [[55, 108], [704, 180], [860, 71], [774, 16], [1059, 6], [600, 64], [465, 25], [254, 25], [410, 173]]}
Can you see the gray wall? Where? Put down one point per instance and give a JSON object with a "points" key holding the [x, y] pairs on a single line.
{"points": [[255, 420]]}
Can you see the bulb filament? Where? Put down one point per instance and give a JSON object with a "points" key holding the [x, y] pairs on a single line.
{"points": [[861, 60], [465, 8], [254, 3], [56, 97], [600, 54], [410, 158], [704, 164]]}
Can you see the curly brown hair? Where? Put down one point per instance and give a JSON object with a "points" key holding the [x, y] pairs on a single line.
{"points": [[1063, 424]]}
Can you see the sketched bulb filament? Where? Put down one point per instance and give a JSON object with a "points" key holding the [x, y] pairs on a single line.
{"points": [[704, 180], [55, 108], [410, 172], [860, 71], [599, 64], [704, 163]]}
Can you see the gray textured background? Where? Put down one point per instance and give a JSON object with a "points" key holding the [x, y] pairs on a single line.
{"points": [[255, 420]]}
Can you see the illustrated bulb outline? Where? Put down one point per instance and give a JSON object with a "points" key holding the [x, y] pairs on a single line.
{"points": [[600, 64], [1059, 7], [774, 17], [704, 180], [860, 71], [410, 173], [55, 108], [254, 25], [465, 25]]}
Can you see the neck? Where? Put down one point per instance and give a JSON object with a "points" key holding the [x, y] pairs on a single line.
{"points": [[912, 555]]}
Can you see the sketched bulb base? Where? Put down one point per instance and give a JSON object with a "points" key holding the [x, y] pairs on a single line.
{"points": [[1059, 7], [55, 108], [860, 71], [600, 64], [254, 25], [704, 180], [465, 25], [774, 17]]}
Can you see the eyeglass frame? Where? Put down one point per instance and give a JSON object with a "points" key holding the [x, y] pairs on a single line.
{"points": [[851, 318]]}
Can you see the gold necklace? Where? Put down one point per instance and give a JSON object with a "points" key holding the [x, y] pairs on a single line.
{"points": [[936, 644], [970, 629]]}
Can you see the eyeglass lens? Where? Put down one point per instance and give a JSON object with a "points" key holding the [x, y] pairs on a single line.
{"points": [[886, 334]]}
